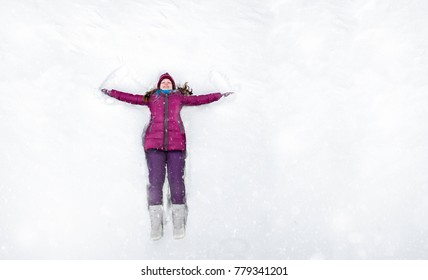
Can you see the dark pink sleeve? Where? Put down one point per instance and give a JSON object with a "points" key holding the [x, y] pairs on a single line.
{"points": [[195, 100], [127, 97]]}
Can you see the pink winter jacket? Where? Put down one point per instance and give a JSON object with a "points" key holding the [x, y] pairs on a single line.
{"points": [[165, 130]]}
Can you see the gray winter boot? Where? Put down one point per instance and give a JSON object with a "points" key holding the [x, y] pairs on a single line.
{"points": [[156, 221], [179, 217]]}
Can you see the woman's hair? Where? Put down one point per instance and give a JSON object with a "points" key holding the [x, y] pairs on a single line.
{"points": [[184, 90]]}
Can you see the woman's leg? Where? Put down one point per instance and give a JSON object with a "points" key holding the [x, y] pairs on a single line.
{"points": [[156, 162], [176, 164]]}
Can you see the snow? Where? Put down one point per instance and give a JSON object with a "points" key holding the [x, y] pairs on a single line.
{"points": [[320, 154]]}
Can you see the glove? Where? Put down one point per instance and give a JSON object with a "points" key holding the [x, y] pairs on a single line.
{"points": [[106, 91], [226, 94]]}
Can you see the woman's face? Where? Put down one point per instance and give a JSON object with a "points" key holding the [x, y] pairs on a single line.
{"points": [[166, 84]]}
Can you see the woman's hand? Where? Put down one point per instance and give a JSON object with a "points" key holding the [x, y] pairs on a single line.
{"points": [[226, 94], [105, 91]]}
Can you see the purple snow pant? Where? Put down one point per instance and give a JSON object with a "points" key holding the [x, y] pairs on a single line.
{"points": [[157, 160]]}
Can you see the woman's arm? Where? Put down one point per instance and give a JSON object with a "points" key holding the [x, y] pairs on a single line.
{"points": [[195, 100], [126, 97]]}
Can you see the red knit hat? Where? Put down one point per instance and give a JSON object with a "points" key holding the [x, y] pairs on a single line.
{"points": [[166, 76]]}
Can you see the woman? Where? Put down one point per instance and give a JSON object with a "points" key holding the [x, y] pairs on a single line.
{"points": [[165, 147]]}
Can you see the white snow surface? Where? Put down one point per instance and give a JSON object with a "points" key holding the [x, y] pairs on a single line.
{"points": [[322, 153]]}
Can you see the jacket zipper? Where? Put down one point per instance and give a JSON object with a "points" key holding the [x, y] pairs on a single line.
{"points": [[165, 142]]}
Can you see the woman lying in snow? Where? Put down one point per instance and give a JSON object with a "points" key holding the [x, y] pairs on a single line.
{"points": [[165, 147]]}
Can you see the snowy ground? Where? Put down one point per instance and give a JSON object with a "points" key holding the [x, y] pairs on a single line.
{"points": [[320, 154]]}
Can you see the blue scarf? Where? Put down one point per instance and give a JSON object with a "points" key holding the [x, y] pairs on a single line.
{"points": [[164, 91]]}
